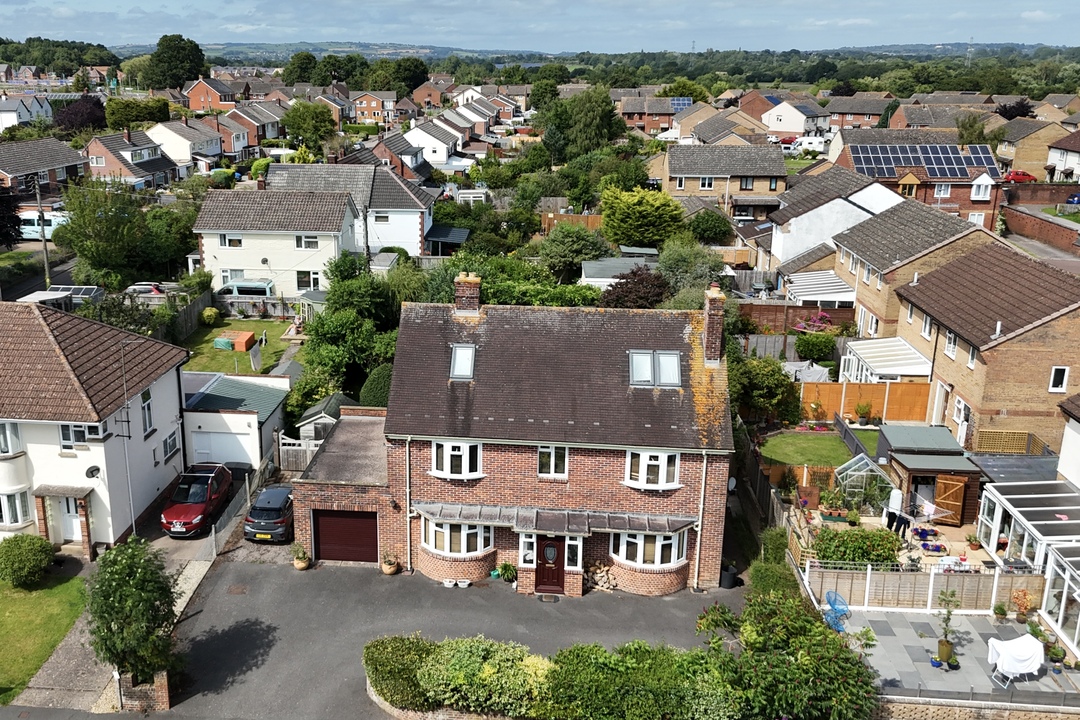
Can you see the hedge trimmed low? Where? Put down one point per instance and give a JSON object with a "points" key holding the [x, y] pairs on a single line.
{"points": [[24, 559], [392, 663]]}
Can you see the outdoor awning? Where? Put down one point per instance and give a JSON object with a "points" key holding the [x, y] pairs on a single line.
{"points": [[818, 285], [553, 521], [750, 200], [61, 491], [890, 356], [937, 463]]}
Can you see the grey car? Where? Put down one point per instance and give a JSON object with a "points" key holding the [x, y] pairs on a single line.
{"points": [[270, 517]]}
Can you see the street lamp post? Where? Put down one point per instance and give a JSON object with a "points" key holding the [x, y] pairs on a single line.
{"points": [[127, 434]]}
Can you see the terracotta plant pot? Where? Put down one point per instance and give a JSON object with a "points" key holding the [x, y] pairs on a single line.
{"points": [[301, 564], [389, 568], [974, 546]]}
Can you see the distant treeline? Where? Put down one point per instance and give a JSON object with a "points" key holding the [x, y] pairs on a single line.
{"points": [[63, 57]]}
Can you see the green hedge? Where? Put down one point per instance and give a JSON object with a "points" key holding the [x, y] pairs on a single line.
{"points": [[351, 129], [858, 544], [774, 545], [392, 663], [772, 577], [376, 389], [24, 559], [18, 265]]}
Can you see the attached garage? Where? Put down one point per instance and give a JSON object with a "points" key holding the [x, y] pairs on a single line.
{"points": [[221, 446], [342, 535]]}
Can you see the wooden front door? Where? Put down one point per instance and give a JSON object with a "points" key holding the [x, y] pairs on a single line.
{"points": [[550, 562], [949, 495]]}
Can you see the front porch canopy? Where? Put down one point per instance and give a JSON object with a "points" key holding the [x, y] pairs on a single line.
{"points": [[882, 360], [62, 491], [553, 521], [818, 285]]}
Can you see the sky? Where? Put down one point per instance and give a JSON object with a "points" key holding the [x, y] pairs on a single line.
{"points": [[553, 25]]}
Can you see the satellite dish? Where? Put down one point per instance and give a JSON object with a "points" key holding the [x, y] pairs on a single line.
{"points": [[265, 261], [731, 484], [93, 471]]}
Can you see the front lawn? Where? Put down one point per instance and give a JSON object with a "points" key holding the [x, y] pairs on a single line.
{"points": [[805, 448], [32, 624], [795, 164], [1073, 216], [868, 438], [206, 358]]}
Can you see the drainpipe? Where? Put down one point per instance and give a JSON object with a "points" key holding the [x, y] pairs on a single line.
{"points": [[700, 520], [408, 503]]}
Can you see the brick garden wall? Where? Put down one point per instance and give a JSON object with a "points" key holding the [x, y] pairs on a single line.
{"points": [[940, 710], [640, 581], [1042, 229], [145, 698]]}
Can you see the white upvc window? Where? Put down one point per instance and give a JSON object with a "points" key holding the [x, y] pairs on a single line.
{"points": [[926, 324], [169, 445], [97, 161], [746, 183], [866, 270], [942, 190], [382, 217], [462, 361], [147, 412], [849, 116], [15, 508], [652, 469], [878, 279], [853, 264], [456, 540], [61, 174], [456, 460], [971, 357], [950, 344], [655, 368], [307, 242], [961, 410], [551, 461], [230, 240], [231, 275], [680, 183], [910, 313], [527, 550], [843, 255], [649, 551], [705, 183], [573, 552], [872, 326], [868, 116], [976, 218], [307, 280], [10, 443], [1059, 378], [72, 435], [980, 191]]}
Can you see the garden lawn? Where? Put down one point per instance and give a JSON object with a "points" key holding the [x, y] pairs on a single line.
{"points": [[868, 438], [206, 358], [1073, 216], [795, 164], [32, 624], [805, 448]]}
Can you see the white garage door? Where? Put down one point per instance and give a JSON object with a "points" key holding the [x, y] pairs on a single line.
{"points": [[220, 447]]}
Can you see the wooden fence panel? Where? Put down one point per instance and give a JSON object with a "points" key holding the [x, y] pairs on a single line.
{"points": [[890, 401], [590, 222], [911, 589]]}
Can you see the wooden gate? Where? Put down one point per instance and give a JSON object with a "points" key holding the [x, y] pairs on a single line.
{"points": [[949, 495]]}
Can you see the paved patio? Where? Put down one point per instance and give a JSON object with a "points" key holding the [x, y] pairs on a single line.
{"points": [[906, 641]]}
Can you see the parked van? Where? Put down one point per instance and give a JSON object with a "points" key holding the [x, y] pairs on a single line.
{"points": [[808, 143], [28, 219], [247, 288]]}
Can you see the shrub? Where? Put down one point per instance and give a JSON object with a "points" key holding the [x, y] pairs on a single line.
{"points": [[391, 664], [210, 316], [484, 676], [222, 180], [772, 577], [774, 545], [858, 544], [815, 346], [376, 389], [260, 166], [24, 558], [352, 129]]}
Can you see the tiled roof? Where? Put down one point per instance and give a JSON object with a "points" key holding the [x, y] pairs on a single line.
{"points": [[811, 110], [360, 156], [439, 133], [330, 406], [396, 143], [947, 98], [713, 128], [32, 156], [1070, 142], [725, 161], [693, 204], [1073, 119], [1059, 100], [390, 191], [696, 107], [900, 233], [1019, 128], [1071, 406], [192, 132], [60, 367], [813, 191], [117, 145], [375, 187], [234, 394], [857, 106], [942, 116], [647, 105], [561, 375], [806, 259], [273, 210], [1026, 293], [214, 84], [228, 125], [904, 136]]}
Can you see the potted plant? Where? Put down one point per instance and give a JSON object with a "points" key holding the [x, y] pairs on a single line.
{"points": [[507, 571], [953, 663], [936, 661], [853, 518], [862, 410], [301, 560], [1000, 611], [1022, 601], [973, 542], [949, 602], [1056, 655], [389, 564]]}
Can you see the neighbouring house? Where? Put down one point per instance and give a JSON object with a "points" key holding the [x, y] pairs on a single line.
{"points": [[23, 109], [131, 157], [887, 250], [99, 75], [233, 418], [438, 143], [207, 94], [520, 95], [942, 116], [236, 144], [962, 180], [1063, 159], [374, 106], [1055, 107], [262, 120], [401, 156], [284, 236], [30, 73], [636, 479], [729, 127], [193, 146], [855, 112], [7, 73], [951, 97], [430, 94], [798, 119], [685, 122], [457, 125], [341, 110], [47, 161], [885, 136], [601, 273], [745, 180], [90, 427], [318, 420], [1002, 360], [650, 115], [756, 103], [174, 96], [1025, 144]]}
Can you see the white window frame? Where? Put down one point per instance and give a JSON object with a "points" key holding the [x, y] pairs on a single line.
{"points": [[980, 191], [843, 255], [147, 411], [1063, 386], [527, 550], [97, 161], [866, 273], [680, 183], [10, 442], [231, 275], [660, 364], [942, 190], [849, 116], [61, 174], [676, 542], [16, 508], [313, 282], [436, 532], [462, 361], [958, 409], [667, 469], [553, 452], [705, 183], [910, 313], [950, 344], [572, 541], [927, 326], [170, 445], [444, 453], [971, 356], [232, 241], [307, 242], [878, 279], [977, 218], [382, 218], [872, 325], [71, 435], [853, 264]]}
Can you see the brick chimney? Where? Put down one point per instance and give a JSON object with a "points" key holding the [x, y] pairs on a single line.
{"points": [[127, 135], [261, 183], [713, 337], [467, 293], [183, 119]]}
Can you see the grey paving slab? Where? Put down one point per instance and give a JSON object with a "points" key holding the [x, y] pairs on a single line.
{"points": [[1009, 632], [917, 653], [924, 628], [882, 628], [981, 625]]}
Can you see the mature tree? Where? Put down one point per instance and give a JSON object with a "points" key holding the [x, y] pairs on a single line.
{"points": [[85, 113], [712, 228], [135, 70], [553, 72], [594, 122], [309, 123], [412, 72], [368, 296], [376, 390], [685, 263], [131, 603], [329, 69], [299, 68], [10, 224], [769, 391], [302, 156], [639, 218], [842, 89], [168, 240], [122, 113], [544, 92], [567, 246], [105, 226], [972, 131], [1022, 108], [176, 60], [641, 288], [80, 82], [514, 74], [684, 87]]}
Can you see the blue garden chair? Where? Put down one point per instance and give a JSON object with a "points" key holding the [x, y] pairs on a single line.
{"points": [[838, 610]]}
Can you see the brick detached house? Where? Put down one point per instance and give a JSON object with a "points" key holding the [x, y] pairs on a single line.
{"points": [[745, 180], [1025, 143], [607, 442], [1001, 331], [210, 94], [131, 157], [49, 161]]}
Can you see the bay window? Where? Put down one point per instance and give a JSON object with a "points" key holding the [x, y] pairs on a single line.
{"points": [[459, 460], [644, 550], [652, 469], [9, 439], [455, 539], [15, 509]]}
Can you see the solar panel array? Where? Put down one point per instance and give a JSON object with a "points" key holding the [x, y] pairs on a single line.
{"points": [[678, 104], [940, 161]]}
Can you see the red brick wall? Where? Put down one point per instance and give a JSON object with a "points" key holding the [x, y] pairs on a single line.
{"points": [[309, 496], [203, 98], [145, 698], [1041, 229], [440, 567], [653, 582], [1040, 193]]}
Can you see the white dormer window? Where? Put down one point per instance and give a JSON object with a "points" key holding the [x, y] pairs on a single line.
{"points": [[980, 191], [658, 368], [461, 362]]}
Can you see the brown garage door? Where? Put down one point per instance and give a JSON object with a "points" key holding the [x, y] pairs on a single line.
{"points": [[341, 535]]}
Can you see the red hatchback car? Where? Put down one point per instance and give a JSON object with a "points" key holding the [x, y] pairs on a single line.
{"points": [[202, 493], [1020, 176]]}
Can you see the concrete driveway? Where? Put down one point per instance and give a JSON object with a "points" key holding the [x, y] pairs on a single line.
{"points": [[264, 640]]}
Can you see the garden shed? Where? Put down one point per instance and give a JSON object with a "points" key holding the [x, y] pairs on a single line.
{"points": [[929, 463]]}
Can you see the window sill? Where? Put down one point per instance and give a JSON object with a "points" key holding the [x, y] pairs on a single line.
{"points": [[16, 527], [638, 567], [171, 455], [12, 456], [68, 454], [562, 479], [1057, 391], [457, 558], [149, 434], [654, 488], [446, 476]]}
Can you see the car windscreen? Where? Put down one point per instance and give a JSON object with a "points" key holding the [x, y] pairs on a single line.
{"points": [[191, 491], [265, 513]]}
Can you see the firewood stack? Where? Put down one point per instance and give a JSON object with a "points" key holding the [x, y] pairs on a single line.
{"points": [[600, 577]]}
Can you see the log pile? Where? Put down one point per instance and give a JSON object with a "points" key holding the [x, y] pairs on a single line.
{"points": [[600, 577]]}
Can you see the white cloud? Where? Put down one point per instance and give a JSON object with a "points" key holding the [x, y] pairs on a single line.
{"points": [[1037, 16]]}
